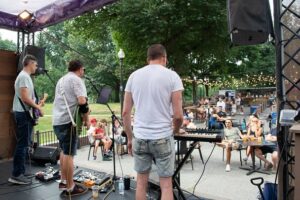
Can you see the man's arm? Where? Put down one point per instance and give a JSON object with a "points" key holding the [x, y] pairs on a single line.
{"points": [[126, 114], [177, 110], [82, 101], [24, 95]]}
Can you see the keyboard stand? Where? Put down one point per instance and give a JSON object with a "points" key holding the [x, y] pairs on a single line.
{"points": [[176, 175]]}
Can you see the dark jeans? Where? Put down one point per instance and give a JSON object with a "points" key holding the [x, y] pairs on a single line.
{"points": [[23, 136]]}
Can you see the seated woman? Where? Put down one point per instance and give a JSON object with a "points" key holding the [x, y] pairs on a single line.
{"points": [[231, 135], [119, 135], [254, 130], [260, 152], [97, 134], [201, 112], [215, 122]]}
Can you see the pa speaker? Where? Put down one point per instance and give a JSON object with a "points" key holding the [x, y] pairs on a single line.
{"points": [[37, 52], [45, 154], [249, 21]]}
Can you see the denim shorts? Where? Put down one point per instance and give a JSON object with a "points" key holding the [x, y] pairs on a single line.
{"points": [[67, 138], [162, 150]]}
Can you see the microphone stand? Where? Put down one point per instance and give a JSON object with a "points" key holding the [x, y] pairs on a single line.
{"points": [[113, 119], [46, 72]]}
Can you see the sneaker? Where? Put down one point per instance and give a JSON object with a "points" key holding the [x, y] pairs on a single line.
{"points": [[21, 180], [106, 158], [269, 166], [109, 153], [29, 175], [62, 186], [227, 169], [77, 190], [95, 157]]}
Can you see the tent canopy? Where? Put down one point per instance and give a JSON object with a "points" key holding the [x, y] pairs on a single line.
{"points": [[45, 13]]}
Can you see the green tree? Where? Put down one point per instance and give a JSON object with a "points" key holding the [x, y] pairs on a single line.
{"points": [[7, 45]]}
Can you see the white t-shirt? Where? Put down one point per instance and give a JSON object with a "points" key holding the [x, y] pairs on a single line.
{"points": [[238, 101], [151, 88], [221, 104], [90, 132], [73, 87]]}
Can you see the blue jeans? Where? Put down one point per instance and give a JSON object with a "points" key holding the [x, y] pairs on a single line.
{"points": [[23, 136]]}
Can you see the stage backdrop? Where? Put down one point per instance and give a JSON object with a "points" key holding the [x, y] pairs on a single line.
{"points": [[8, 73]]}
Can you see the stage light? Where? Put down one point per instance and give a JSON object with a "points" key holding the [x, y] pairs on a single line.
{"points": [[25, 15]]}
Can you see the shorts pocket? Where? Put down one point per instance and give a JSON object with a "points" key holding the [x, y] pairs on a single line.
{"points": [[162, 147], [139, 146]]}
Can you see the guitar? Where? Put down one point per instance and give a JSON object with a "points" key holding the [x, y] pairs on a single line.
{"points": [[36, 114], [80, 119]]}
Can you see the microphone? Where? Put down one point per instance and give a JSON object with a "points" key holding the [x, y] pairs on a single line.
{"points": [[41, 70]]}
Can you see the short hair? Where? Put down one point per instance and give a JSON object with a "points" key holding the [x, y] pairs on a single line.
{"points": [[27, 59], [156, 51], [75, 65]]}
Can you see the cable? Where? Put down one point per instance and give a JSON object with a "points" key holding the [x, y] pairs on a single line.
{"points": [[204, 168]]}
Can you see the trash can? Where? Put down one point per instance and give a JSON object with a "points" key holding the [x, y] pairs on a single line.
{"points": [[253, 109]]}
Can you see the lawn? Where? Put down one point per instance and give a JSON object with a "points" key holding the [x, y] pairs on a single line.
{"points": [[98, 111]]}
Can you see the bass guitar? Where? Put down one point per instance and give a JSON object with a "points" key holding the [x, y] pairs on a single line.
{"points": [[36, 114]]}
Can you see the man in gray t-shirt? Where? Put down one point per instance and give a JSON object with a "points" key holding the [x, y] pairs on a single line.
{"points": [[24, 92], [72, 88]]}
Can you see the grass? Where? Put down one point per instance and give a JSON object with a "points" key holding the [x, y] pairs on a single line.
{"points": [[98, 111]]}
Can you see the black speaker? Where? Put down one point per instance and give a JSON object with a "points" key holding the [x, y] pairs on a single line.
{"points": [[45, 154], [249, 21], [39, 53]]}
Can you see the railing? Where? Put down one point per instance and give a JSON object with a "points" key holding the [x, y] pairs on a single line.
{"points": [[48, 138]]}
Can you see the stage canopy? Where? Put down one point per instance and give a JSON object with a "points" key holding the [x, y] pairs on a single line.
{"points": [[45, 13]]}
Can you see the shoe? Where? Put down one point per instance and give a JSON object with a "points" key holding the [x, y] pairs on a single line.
{"points": [[269, 166], [77, 190], [106, 158], [29, 175], [62, 186], [21, 180], [95, 157], [227, 169], [109, 153]]}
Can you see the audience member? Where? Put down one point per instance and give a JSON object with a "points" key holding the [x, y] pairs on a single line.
{"points": [[231, 135], [260, 152]]}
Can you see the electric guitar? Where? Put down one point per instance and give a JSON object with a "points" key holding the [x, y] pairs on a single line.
{"points": [[36, 114], [79, 119]]}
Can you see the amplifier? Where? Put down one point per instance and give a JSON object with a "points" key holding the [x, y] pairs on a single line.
{"points": [[45, 154]]}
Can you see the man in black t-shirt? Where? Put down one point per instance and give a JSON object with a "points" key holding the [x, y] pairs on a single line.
{"points": [[273, 149]]}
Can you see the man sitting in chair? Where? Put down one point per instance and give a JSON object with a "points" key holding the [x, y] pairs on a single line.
{"points": [[260, 152], [231, 135], [97, 134]]}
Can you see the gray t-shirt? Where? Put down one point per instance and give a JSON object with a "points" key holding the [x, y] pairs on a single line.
{"points": [[232, 134], [73, 87], [23, 81]]}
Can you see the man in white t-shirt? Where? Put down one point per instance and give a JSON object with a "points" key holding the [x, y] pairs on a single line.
{"points": [[221, 104], [156, 94]]}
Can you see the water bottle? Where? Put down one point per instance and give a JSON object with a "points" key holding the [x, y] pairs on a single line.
{"points": [[244, 126], [121, 186]]}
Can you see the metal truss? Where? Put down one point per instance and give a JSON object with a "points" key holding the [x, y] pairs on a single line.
{"points": [[287, 41], [24, 39]]}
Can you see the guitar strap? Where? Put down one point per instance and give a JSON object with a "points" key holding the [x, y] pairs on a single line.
{"points": [[65, 100]]}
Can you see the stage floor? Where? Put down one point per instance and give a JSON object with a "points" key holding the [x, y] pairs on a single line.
{"points": [[49, 190]]}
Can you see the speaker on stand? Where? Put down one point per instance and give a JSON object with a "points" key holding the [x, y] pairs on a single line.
{"points": [[39, 53], [249, 21]]}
